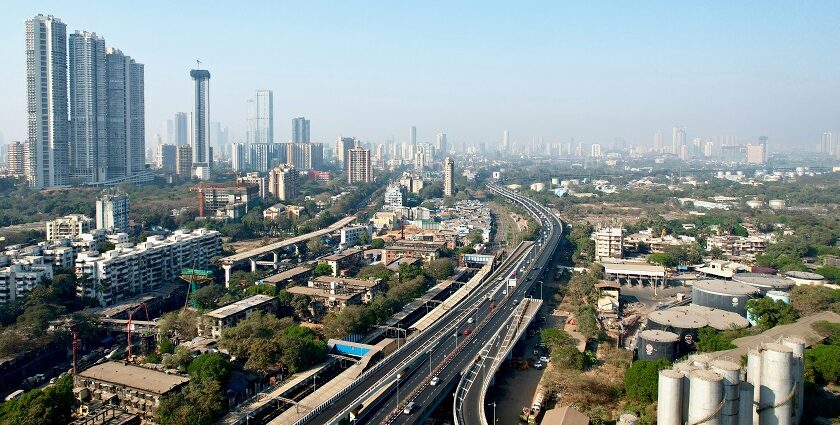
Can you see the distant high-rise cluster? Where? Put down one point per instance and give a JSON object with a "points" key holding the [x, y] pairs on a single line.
{"points": [[261, 117], [86, 120]]}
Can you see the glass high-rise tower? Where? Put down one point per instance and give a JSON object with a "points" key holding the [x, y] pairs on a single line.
{"points": [[261, 117], [46, 98], [201, 124]]}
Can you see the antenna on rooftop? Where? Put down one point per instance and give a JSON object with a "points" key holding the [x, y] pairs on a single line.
{"points": [[197, 64]]}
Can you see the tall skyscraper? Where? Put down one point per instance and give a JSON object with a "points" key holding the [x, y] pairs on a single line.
{"points": [[677, 140], [827, 145], [200, 124], [300, 130], [46, 101], [448, 177], [305, 156], [166, 158], [180, 125], [657, 141], [218, 137], [412, 137], [505, 141], [126, 114], [359, 169], [342, 145], [442, 146], [283, 182], [261, 117], [595, 150], [88, 108], [237, 157], [184, 161], [14, 159], [112, 212], [762, 141]]}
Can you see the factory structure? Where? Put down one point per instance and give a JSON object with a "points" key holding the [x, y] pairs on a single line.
{"points": [[719, 392]]}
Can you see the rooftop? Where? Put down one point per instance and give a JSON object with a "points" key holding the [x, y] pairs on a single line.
{"points": [[135, 377], [347, 281], [804, 275], [725, 287], [719, 319], [763, 280], [343, 254], [321, 292], [678, 319], [240, 306]]}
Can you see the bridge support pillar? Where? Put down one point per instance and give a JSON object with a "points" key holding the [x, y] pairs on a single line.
{"points": [[227, 268], [253, 265], [276, 260]]}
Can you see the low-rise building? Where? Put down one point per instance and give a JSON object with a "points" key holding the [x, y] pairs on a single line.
{"points": [[609, 242], [135, 389], [426, 251], [127, 271], [352, 235], [344, 260], [229, 315], [68, 227], [737, 246], [332, 294], [228, 200], [299, 275], [369, 287], [20, 278]]}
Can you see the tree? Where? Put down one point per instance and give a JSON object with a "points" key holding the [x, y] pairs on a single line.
{"points": [[182, 323], [821, 363], [582, 288], [364, 238], [710, 339], [51, 405], [316, 246], [322, 269], [587, 324], [568, 357], [441, 268], [808, 299], [769, 313], [642, 380], [553, 337], [409, 271], [212, 366], [207, 296], [178, 360], [662, 259], [377, 243], [376, 271]]}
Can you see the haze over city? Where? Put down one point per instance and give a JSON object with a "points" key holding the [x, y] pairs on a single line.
{"points": [[593, 72]]}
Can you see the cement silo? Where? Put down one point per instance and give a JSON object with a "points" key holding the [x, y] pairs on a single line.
{"points": [[746, 408], [764, 282], [704, 405], [731, 374], [680, 323], [686, 369], [797, 373], [656, 344], [776, 393], [723, 294], [669, 408]]}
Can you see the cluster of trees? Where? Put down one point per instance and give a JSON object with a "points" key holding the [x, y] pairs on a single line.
{"points": [[768, 312], [821, 362], [641, 383], [203, 400], [583, 247], [52, 405], [676, 255], [564, 354], [266, 343], [581, 291]]}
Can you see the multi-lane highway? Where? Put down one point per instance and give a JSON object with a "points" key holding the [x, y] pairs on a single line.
{"points": [[449, 344]]}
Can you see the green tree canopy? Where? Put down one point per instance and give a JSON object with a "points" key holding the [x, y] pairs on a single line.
{"points": [[768, 312], [212, 366], [322, 269], [642, 380]]}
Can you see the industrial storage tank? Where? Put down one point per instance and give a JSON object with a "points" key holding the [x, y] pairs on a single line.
{"points": [[805, 278], [680, 323], [721, 320], [656, 344], [765, 282], [723, 294], [779, 296]]}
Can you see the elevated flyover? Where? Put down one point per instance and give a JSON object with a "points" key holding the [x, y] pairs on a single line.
{"points": [[253, 255]]}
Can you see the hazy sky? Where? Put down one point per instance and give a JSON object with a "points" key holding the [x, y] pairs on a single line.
{"points": [[590, 70]]}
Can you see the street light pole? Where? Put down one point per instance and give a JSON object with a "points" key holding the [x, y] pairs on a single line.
{"points": [[430, 362]]}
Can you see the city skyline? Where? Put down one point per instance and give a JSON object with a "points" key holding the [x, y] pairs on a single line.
{"points": [[733, 77]]}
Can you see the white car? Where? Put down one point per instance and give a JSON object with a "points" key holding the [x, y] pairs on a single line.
{"points": [[538, 365], [544, 359], [504, 292], [435, 380], [470, 320]]}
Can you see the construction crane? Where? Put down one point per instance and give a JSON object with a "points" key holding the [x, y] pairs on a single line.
{"points": [[128, 326]]}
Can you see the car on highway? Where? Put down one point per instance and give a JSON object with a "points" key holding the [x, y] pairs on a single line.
{"points": [[467, 331], [471, 320], [515, 302], [435, 380], [504, 292], [492, 306], [538, 365], [544, 359], [408, 408]]}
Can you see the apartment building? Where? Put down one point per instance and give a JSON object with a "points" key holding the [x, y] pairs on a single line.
{"points": [[737, 246], [128, 271], [229, 315], [608, 242], [22, 276], [69, 226]]}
